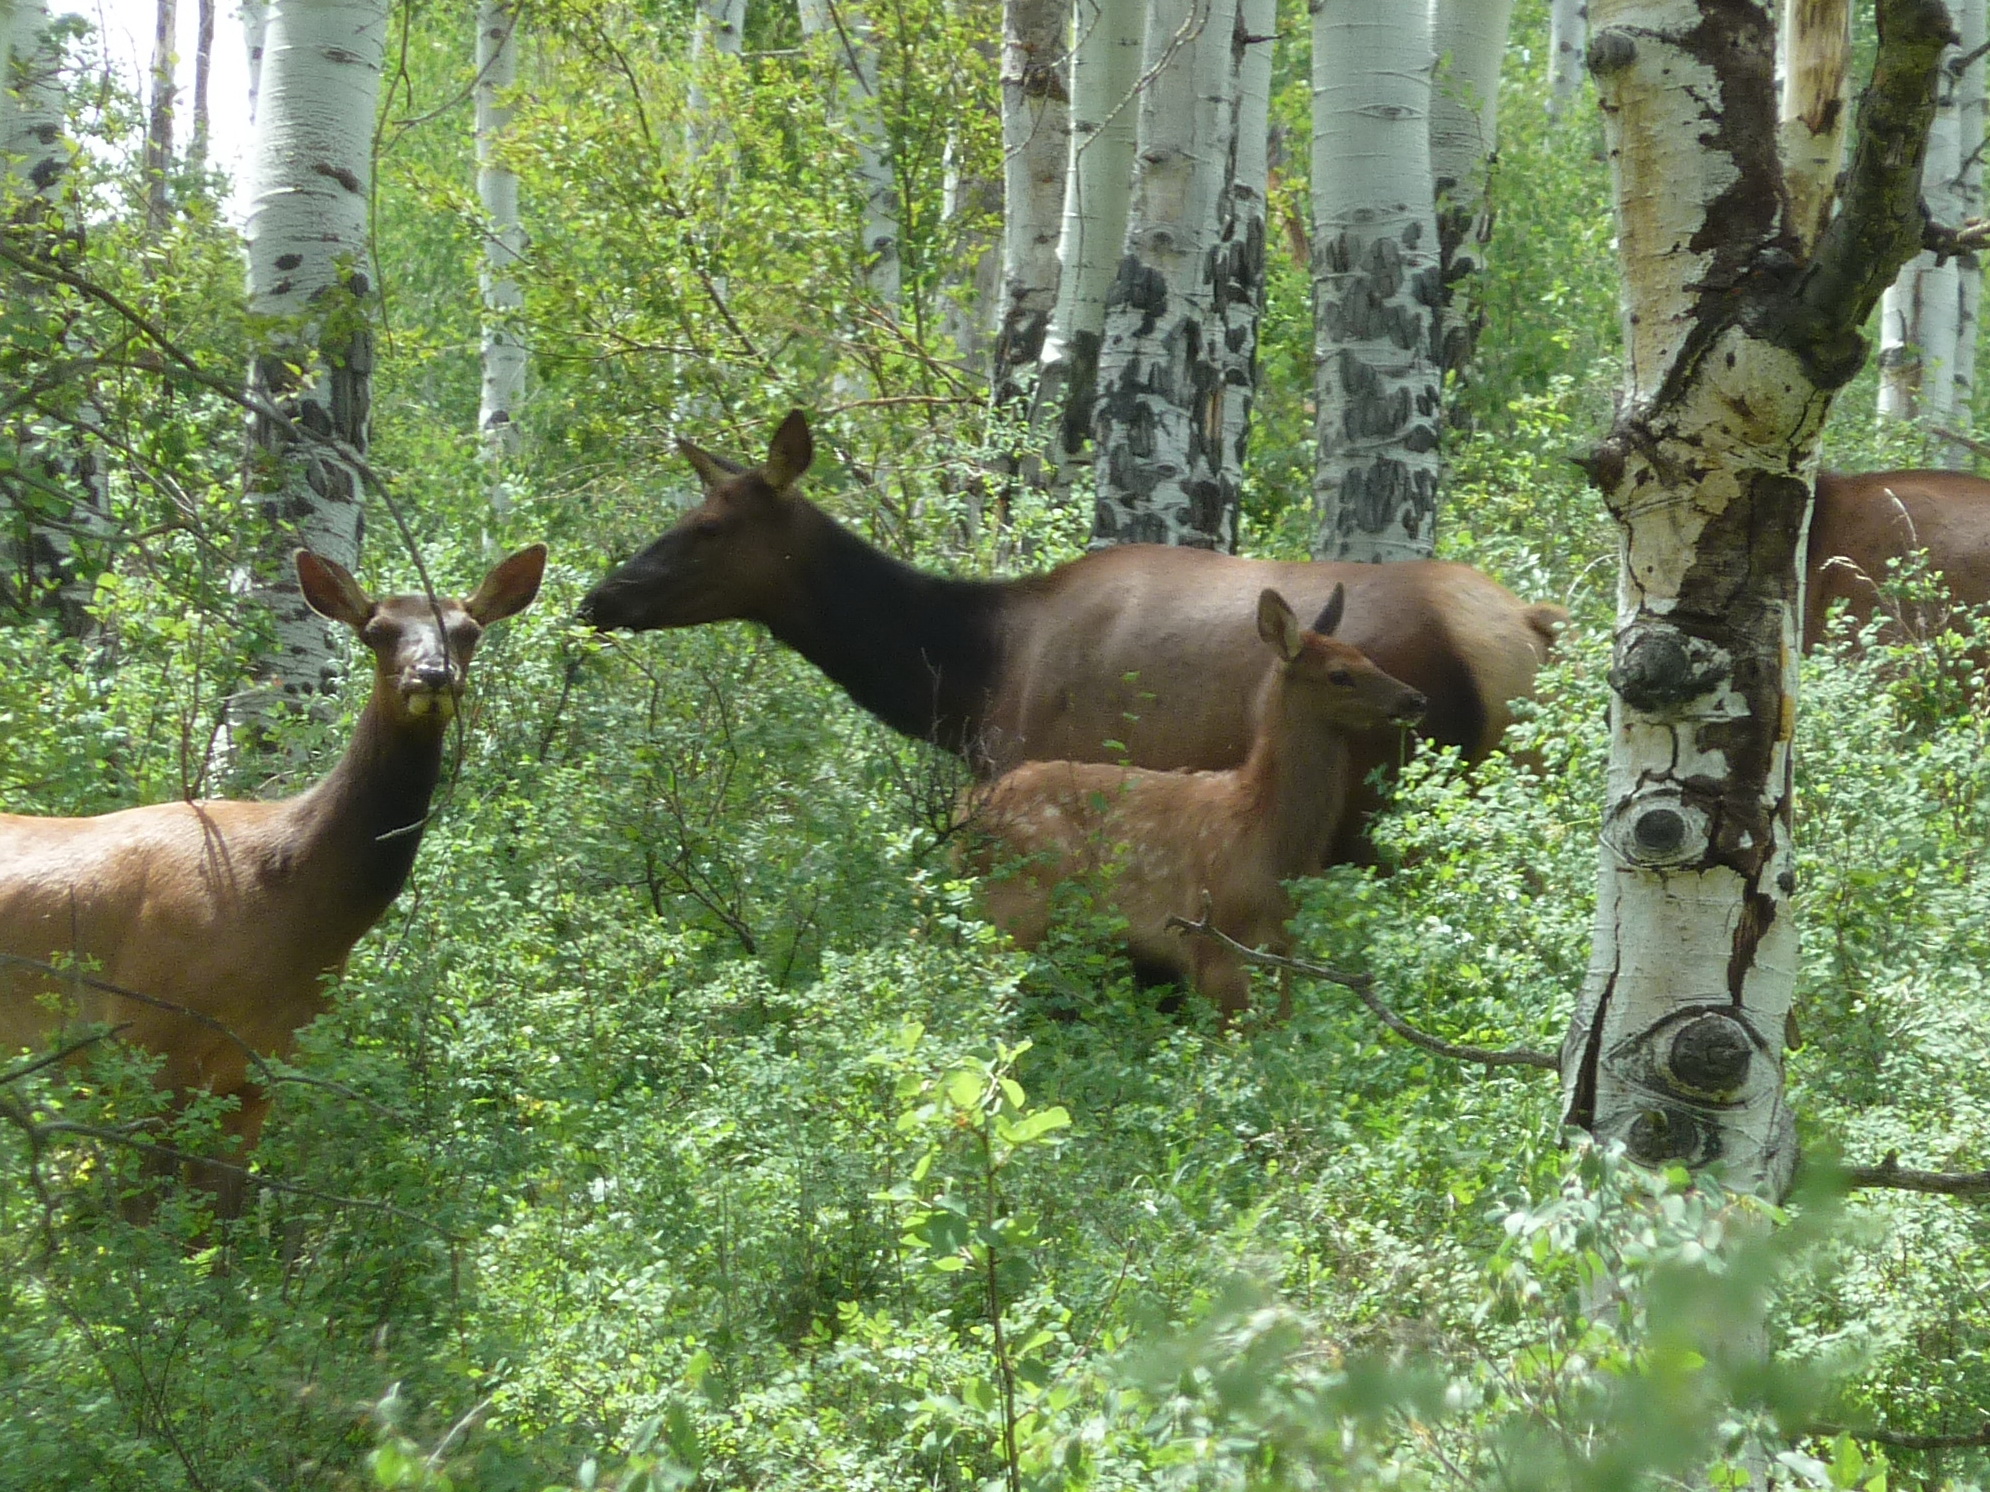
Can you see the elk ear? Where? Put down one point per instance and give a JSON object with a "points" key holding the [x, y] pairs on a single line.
{"points": [[510, 587], [1277, 625], [712, 470], [1330, 614], [790, 452], [330, 590]]}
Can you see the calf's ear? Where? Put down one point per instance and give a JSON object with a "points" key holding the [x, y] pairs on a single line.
{"points": [[1277, 625]]}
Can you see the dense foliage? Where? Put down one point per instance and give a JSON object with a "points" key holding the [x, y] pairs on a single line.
{"points": [[682, 1126]]}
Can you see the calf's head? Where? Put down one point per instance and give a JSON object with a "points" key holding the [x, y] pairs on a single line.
{"points": [[1333, 679], [731, 556], [421, 648]]}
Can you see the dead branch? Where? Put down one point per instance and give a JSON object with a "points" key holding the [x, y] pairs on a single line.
{"points": [[1947, 243], [1890, 1173], [1907, 1441], [1363, 986]]}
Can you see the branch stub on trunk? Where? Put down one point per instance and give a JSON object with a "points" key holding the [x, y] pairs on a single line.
{"points": [[1659, 669], [1656, 827], [1610, 50], [1660, 1135], [1710, 1056]]}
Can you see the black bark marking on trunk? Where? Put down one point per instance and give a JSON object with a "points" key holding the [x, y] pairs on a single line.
{"points": [[1142, 287], [1081, 399]]}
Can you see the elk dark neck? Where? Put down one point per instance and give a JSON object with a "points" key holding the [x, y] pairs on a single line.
{"points": [[918, 651], [1297, 776], [364, 821]]}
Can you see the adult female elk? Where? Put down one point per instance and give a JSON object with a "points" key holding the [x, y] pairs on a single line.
{"points": [[1170, 839], [1142, 653], [1864, 520], [232, 914]]}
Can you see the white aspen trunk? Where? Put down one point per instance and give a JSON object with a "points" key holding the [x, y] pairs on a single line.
{"points": [[1036, 130], [1814, 46], [1469, 37], [311, 170], [504, 242], [203, 69], [1676, 1046], [1971, 29], [1239, 277], [970, 283], [1159, 420], [1105, 70], [720, 31], [857, 102], [255, 36], [1568, 35], [159, 124], [1377, 385], [62, 489], [1918, 316]]}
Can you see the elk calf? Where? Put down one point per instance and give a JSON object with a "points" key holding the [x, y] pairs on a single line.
{"points": [[229, 914], [1169, 838]]}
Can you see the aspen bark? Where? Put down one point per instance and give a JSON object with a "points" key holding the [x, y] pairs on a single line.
{"points": [[1470, 40], [1159, 421], [255, 35], [504, 241], [1568, 35], [1814, 49], [1735, 342], [1973, 34], [1375, 283], [1036, 131], [159, 121], [311, 171], [1918, 316], [1104, 118], [720, 31], [858, 104], [203, 70], [1239, 278], [55, 505]]}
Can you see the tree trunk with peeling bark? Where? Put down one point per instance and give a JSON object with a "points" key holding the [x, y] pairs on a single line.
{"points": [[1159, 420], [1036, 129], [1104, 117], [503, 387], [857, 105], [1917, 355], [1973, 29], [1469, 37], [1814, 47], [1377, 386], [54, 503], [159, 121], [1568, 35], [1737, 335], [311, 169], [1240, 261]]}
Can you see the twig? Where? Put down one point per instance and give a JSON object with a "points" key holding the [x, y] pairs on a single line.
{"points": [[1978, 447], [264, 1073], [1907, 1441], [1890, 1173], [180, 1157], [60, 1053], [1363, 986]]}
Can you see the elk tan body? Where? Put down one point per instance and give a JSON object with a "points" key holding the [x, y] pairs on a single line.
{"points": [[1865, 520], [1165, 840], [232, 914], [1141, 653]]}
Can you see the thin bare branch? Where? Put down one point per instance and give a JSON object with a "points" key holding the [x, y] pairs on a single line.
{"points": [[1363, 986]]}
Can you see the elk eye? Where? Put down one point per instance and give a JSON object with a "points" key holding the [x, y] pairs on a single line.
{"points": [[1340, 678]]}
